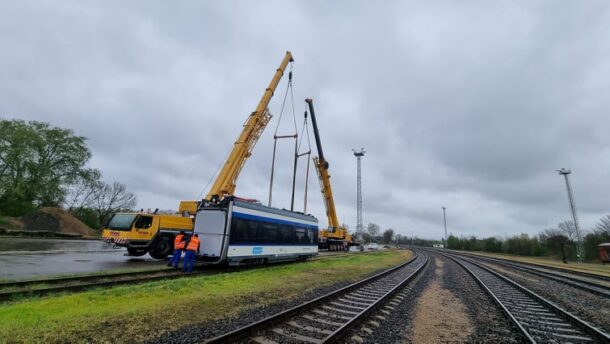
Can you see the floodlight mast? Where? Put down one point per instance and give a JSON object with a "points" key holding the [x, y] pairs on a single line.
{"points": [[445, 223], [580, 252], [359, 154]]}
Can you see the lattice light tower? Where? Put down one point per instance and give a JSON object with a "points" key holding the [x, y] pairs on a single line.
{"points": [[359, 154], [445, 225], [580, 252]]}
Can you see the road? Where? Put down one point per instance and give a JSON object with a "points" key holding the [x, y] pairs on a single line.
{"points": [[25, 258]]}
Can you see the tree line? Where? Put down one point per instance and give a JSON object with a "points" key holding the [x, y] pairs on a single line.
{"points": [[42, 165], [558, 242], [373, 233]]}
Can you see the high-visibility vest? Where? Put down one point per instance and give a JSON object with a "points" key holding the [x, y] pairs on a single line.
{"points": [[193, 244], [178, 243]]}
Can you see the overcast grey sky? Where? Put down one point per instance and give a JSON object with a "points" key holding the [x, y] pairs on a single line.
{"points": [[472, 105]]}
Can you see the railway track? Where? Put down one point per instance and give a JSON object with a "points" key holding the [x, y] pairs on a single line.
{"points": [[11, 290], [559, 276], [538, 319], [331, 317], [590, 276], [40, 287]]}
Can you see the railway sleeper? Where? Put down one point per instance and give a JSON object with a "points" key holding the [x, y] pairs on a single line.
{"points": [[308, 328], [320, 320], [342, 304], [296, 336], [332, 316], [353, 302], [262, 340], [339, 310]]}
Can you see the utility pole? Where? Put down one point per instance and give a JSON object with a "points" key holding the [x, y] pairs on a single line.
{"points": [[580, 252], [445, 223], [359, 228]]}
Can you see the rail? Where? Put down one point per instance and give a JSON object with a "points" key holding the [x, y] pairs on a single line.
{"points": [[539, 319], [338, 311]]}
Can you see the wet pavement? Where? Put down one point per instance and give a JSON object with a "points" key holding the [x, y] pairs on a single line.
{"points": [[26, 258]]}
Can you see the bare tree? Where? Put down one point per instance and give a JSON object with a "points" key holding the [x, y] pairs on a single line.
{"points": [[568, 229], [82, 193], [603, 225], [112, 198], [373, 230]]}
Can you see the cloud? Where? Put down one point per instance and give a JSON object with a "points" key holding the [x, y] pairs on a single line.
{"points": [[471, 106]]}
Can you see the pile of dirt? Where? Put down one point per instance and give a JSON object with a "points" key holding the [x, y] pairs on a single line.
{"points": [[55, 220]]}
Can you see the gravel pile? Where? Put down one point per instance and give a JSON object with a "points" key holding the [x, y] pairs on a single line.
{"points": [[591, 307]]}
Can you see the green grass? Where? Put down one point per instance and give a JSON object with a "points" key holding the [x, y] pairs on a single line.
{"points": [[139, 312]]}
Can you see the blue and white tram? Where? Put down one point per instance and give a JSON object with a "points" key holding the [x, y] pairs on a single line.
{"points": [[241, 233]]}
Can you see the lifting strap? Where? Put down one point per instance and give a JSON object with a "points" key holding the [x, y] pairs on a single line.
{"points": [[308, 154], [276, 137]]}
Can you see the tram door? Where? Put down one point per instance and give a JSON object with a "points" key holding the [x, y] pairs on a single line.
{"points": [[210, 225]]}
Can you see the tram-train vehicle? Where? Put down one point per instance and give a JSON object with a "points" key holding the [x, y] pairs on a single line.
{"points": [[239, 232]]}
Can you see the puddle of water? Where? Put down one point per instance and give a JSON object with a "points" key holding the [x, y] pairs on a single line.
{"points": [[49, 245]]}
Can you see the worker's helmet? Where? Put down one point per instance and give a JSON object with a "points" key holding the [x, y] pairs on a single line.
{"points": [[182, 232]]}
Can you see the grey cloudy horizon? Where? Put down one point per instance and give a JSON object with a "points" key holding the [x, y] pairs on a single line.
{"points": [[472, 106]]}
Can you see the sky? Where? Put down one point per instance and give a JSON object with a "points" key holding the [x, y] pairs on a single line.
{"points": [[471, 105]]}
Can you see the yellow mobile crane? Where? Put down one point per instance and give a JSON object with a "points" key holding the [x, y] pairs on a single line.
{"points": [[154, 233], [336, 237]]}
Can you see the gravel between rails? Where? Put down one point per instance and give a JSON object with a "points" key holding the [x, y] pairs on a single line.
{"points": [[592, 307], [491, 325], [392, 327], [196, 334]]}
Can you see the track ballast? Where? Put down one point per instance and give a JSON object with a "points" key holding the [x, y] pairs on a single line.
{"points": [[330, 317], [540, 320]]}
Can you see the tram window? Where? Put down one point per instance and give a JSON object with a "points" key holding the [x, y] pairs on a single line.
{"points": [[282, 234], [239, 231], [251, 232], [300, 232], [268, 233], [306, 238], [289, 235]]}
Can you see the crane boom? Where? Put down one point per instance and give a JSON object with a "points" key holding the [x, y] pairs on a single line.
{"points": [[322, 168], [253, 128]]}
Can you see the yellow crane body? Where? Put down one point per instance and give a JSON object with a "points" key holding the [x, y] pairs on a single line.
{"points": [[336, 237], [253, 127]]}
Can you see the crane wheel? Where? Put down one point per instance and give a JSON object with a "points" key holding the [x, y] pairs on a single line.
{"points": [[161, 248]]}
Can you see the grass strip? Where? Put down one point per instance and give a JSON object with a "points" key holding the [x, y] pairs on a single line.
{"points": [[138, 312], [598, 269]]}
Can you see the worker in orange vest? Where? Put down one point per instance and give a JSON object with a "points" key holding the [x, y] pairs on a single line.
{"points": [[179, 245], [192, 249]]}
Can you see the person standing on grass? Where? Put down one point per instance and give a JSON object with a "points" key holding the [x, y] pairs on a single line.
{"points": [[192, 249], [179, 244]]}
